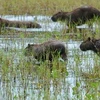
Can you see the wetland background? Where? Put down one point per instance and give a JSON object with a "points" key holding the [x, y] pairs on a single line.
{"points": [[20, 79]]}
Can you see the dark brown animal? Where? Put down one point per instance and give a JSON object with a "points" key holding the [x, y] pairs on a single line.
{"points": [[47, 50], [91, 44], [78, 16], [18, 24]]}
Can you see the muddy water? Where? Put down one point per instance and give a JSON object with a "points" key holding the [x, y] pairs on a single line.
{"points": [[16, 84]]}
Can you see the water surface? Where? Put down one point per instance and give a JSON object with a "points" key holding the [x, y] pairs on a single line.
{"points": [[19, 79]]}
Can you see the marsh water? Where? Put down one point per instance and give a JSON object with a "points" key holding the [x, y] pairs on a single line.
{"points": [[19, 79]]}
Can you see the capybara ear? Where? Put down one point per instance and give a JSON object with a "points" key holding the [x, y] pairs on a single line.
{"points": [[29, 45], [89, 38]]}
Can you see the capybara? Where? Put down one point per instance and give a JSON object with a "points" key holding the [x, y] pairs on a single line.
{"points": [[18, 24], [78, 16], [91, 44], [47, 50]]}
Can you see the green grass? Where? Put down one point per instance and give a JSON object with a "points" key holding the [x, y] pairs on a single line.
{"points": [[23, 79], [46, 7], [26, 77]]}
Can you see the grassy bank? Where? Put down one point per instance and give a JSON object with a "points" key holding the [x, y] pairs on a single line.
{"points": [[38, 7]]}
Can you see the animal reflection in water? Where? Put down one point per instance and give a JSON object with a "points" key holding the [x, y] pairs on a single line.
{"points": [[78, 16], [91, 44], [47, 50]]}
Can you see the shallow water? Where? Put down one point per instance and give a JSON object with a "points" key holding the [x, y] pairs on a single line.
{"points": [[46, 23], [34, 88], [17, 83]]}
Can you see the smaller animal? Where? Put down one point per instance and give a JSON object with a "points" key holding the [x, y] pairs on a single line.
{"points": [[18, 24], [91, 44], [47, 50]]}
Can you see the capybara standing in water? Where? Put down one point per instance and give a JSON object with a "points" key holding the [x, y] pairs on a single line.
{"points": [[91, 44], [47, 50], [77, 17], [18, 24]]}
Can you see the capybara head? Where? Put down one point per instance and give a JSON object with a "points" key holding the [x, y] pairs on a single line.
{"points": [[59, 16], [88, 44], [29, 50]]}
